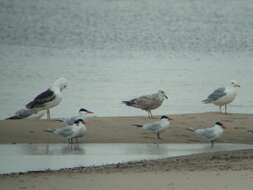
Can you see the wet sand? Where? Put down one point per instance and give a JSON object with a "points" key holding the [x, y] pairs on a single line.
{"points": [[119, 129]]}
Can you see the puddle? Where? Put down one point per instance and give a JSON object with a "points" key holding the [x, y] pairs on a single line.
{"points": [[36, 157]]}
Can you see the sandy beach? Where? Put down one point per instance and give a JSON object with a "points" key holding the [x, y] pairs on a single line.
{"points": [[119, 129], [223, 170]]}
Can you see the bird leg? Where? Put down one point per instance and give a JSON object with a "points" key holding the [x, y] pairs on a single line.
{"points": [[48, 114], [148, 114], [151, 116], [212, 144], [158, 135], [226, 109]]}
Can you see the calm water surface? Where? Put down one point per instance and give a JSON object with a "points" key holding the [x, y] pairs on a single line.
{"points": [[116, 50], [35, 157]]}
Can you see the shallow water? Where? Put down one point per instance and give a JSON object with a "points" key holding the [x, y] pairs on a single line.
{"points": [[39, 157], [116, 50], [101, 82]]}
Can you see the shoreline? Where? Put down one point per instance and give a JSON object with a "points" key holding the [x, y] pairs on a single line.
{"points": [[236, 160], [220, 170]]}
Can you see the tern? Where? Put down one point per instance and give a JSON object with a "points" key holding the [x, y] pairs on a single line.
{"points": [[156, 127], [82, 114], [71, 132], [210, 134]]}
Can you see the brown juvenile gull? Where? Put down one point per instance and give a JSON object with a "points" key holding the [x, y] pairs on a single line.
{"points": [[148, 102]]}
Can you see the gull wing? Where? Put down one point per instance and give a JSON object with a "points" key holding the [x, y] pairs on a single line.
{"points": [[22, 114], [218, 93], [41, 99], [146, 102]]}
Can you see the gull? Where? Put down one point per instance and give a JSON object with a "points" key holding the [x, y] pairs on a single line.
{"points": [[49, 98], [210, 134], [156, 127], [82, 114], [223, 96], [71, 132], [148, 102], [28, 114]]}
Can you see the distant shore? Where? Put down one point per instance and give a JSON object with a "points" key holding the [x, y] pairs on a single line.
{"points": [[119, 129]]}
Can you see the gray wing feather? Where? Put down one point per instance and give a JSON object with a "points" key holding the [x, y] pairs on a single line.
{"points": [[69, 121], [218, 93], [22, 114], [152, 126], [207, 133], [66, 131]]}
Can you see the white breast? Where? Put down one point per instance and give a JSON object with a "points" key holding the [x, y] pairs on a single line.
{"points": [[228, 98]]}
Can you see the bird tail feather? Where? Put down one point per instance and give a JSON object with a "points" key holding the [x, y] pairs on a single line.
{"points": [[137, 125], [128, 103], [206, 101], [12, 117], [58, 120], [49, 130], [190, 129]]}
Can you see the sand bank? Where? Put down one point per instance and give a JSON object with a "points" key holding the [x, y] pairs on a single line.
{"points": [[119, 129]]}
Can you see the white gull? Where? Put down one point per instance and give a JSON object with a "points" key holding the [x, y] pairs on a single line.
{"points": [[223, 96], [49, 98]]}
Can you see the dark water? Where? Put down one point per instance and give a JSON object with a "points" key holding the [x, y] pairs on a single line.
{"points": [[38, 157]]}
